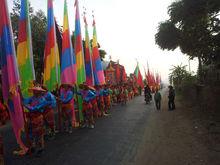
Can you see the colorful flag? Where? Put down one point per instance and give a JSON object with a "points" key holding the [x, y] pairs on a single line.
{"points": [[68, 62], [124, 75], [117, 73], [24, 50], [98, 72], [87, 54], [138, 76], [81, 77], [10, 76], [51, 52]]}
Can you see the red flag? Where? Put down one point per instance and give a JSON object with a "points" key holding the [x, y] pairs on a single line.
{"points": [[138, 76]]}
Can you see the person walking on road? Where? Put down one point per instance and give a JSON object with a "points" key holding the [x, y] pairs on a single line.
{"points": [[157, 99], [171, 97]]}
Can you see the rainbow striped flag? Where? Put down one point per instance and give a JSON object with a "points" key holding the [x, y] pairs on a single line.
{"points": [[81, 76], [10, 76], [24, 50], [96, 60], [51, 52], [68, 62], [87, 55]]}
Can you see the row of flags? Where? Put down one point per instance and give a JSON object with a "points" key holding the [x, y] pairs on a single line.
{"points": [[76, 66], [153, 80]]}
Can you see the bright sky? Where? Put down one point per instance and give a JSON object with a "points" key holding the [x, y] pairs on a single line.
{"points": [[126, 30]]}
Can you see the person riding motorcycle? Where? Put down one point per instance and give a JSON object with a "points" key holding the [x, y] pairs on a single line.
{"points": [[147, 94]]}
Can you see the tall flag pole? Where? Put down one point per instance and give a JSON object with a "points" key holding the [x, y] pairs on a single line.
{"points": [[68, 62], [97, 63], [88, 55], [10, 76], [145, 75], [81, 76], [138, 76], [24, 49], [51, 52]]}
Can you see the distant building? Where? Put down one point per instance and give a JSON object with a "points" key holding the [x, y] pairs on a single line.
{"points": [[114, 72]]}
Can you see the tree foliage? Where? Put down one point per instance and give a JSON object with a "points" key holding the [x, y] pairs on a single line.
{"points": [[179, 76], [194, 27]]}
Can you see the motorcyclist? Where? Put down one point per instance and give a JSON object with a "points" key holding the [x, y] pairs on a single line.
{"points": [[147, 92]]}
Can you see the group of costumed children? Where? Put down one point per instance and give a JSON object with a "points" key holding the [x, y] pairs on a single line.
{"points": [[40, 110]]}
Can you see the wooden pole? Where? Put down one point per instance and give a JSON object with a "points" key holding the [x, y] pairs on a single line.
{"points": [[25, 122], [59, 109]]}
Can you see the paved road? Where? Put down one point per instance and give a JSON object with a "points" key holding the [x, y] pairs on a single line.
{"points": [[115, 140]]}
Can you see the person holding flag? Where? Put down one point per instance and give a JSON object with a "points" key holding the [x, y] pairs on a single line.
{"points": [[88, 94], [107, 99], [48, 112], [35, 107], [67, 105]]}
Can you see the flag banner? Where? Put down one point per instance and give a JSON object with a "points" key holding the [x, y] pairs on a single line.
{"points": [[124, 75], [138, 76], [10, 76], [87, 55], [68, 62], [51, 52], [81, 76], [98, 72], [24, 50], [118, 73]]}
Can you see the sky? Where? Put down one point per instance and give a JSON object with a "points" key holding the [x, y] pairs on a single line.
{"points": [[125, 29]]}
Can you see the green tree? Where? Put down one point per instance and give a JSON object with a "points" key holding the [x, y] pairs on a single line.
{"points": [[194, 27], [180, 76], [39, 25], [102, 54]]}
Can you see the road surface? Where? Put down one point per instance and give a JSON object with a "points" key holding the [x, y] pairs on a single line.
{"points": [[134, 134]]}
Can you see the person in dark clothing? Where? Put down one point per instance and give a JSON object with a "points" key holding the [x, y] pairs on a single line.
{"points": [[147, 93], [171, 97], [157, 99]]}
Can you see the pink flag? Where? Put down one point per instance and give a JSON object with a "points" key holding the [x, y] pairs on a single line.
{"points": [[10, 77]]}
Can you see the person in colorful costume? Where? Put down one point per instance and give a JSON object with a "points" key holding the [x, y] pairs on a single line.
{"points": [[107, 101], [100, 99], [96, 111], [111, 96], [48, 112], [35, 106], [125, 94], [88, 95], [114, 95], [67, 105]]}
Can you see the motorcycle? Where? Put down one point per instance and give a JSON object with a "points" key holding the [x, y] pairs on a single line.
{"points": [[147, 98]]}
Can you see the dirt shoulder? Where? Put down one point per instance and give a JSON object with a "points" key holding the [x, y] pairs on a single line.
{"points": [[179, 137]]}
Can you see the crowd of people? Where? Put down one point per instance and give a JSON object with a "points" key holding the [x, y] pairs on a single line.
{"points": [[41, 108]]}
